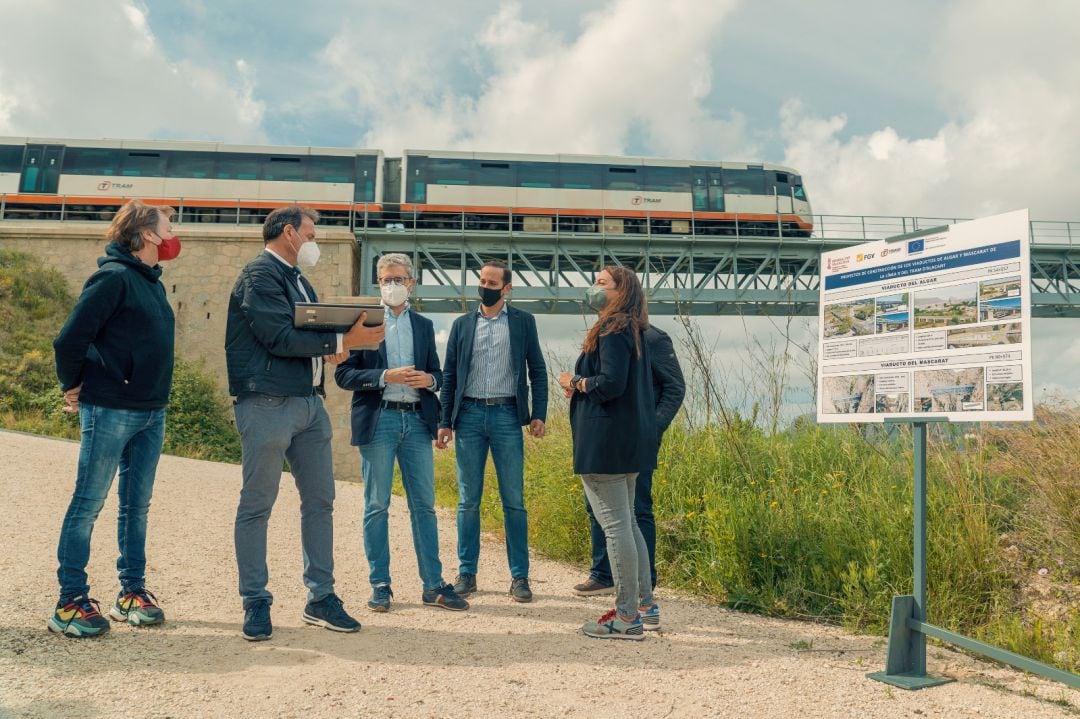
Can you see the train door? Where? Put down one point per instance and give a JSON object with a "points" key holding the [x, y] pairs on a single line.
{"points": [[41, 169], [783, 190], [716, 190]]}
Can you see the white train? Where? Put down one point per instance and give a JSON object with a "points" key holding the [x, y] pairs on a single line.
{"points": [[422, 190]]}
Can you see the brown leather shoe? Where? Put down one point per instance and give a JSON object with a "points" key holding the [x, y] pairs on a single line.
{"points": [[592, 588]]}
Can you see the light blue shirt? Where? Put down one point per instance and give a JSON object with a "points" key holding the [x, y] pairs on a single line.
{"points": [[399, 353], [490, 373]]}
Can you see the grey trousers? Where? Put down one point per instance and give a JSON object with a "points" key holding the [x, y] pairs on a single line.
{"points": [[612, 500], [273, 429]]}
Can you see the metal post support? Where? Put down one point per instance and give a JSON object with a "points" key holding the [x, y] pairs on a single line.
{"points": [[905, 663]]}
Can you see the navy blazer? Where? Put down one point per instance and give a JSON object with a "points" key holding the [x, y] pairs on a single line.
{"points": [[361, 373], [526, 362], [614, 421]]}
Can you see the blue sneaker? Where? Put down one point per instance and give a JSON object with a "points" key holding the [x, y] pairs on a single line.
{"points": [[610, 626], [78, 617], [330, 613], [380, 598], [650, 618], [444, 597], [257, 626]]}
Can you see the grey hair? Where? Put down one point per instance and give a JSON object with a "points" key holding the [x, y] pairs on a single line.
{"points": [[395, 258]]}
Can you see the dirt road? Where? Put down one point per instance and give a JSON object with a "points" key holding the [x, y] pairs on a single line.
{"points": [[498, 659]]}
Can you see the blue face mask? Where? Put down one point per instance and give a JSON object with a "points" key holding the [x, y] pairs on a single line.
{"points": [[596, 297]]}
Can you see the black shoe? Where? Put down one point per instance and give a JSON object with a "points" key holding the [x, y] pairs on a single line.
{"points": [[444, 597], [465, 584], [257, 626], [519, 590], [380, 598], [330, 613]]}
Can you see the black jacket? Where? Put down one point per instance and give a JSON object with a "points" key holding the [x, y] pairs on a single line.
{"points": [[264, 352], [614, 421], [118, 341], [526, 363], [669, 387], [364, 368]]}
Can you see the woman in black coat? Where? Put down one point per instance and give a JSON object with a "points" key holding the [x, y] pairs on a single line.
{"points": [[612, 418]]}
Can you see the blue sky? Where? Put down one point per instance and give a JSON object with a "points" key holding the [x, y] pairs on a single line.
{"points": [[955, 108]]}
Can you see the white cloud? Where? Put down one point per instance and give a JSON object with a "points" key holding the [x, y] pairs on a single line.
{"points": [[636, 70], [99, 71], [1011, 88]]}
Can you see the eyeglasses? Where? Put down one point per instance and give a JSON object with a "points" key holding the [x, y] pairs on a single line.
{"points": [[387, 281]]}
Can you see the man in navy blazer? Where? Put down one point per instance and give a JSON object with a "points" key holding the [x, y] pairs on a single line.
{"points": [[493, 359], [395, 414]]}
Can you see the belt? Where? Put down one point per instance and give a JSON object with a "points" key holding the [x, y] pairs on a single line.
{"points": [[489, 401], [403, 406]]}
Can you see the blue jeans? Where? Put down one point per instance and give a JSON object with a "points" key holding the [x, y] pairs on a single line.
{"points": [[111, 438], [400, 434], [273, 429], [643, 513], [496, 427], [612, 497]]}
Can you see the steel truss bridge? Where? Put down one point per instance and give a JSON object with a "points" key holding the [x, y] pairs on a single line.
{"points": [[732, 274]]}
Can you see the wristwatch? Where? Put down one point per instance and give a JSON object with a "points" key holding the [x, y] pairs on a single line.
{"points": [[575, 381]]}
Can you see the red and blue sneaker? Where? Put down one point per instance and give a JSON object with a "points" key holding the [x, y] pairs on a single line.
{"points": [[78, 617], [137, 607]]}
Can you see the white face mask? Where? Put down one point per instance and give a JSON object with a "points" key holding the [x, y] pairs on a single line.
{"points": [[308, 254], [394, 295]]}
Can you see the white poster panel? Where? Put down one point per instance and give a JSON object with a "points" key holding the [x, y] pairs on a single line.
{"points": [[935, 326]]}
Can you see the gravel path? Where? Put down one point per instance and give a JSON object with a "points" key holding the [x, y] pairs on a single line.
{"points": [[498, 659]]}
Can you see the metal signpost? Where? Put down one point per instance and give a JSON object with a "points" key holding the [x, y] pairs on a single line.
{"points": [[929, 327]]}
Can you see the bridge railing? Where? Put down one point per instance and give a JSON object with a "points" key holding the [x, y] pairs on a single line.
{"points": [[365, 218]]}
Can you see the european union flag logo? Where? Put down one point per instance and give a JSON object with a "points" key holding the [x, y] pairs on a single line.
{"points": [[915, 246]]}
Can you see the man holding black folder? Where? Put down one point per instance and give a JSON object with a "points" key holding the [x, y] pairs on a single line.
{"points": [[276, 374]]}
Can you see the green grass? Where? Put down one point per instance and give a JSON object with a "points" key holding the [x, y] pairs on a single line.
{"points": [[815, 523]]}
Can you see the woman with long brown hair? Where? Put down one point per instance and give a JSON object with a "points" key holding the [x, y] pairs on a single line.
{"points": [[612, 419]]}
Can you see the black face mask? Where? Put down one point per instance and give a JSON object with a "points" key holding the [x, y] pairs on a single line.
{"points": [[489, 296]]}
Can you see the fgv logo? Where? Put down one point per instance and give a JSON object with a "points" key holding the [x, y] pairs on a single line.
{"points": [[864, 256], [916, 246]]}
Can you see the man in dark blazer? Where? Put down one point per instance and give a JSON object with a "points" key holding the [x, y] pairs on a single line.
{"points": [[493, 359], [276, 374], [395, 414], [669, 388]]}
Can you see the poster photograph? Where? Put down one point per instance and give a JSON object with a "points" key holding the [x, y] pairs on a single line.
{"points": [[933, 325]]}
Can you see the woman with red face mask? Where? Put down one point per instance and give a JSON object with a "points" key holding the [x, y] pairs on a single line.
{"points": [[114, 358]]}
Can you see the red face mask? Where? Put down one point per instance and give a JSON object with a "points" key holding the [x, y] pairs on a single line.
{"points": [[168, 249]]}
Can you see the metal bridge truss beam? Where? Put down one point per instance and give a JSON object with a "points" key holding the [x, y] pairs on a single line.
{"points": [[700, 276]]}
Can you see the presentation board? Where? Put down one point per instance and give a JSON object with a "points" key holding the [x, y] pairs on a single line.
{"points": [[937, 325]]}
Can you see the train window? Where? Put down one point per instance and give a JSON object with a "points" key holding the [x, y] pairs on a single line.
{"points": [[443, 171], [667, 179], [144, 164], [493, 174], [191, 164], [284, 169], [583, 176], [800, 191], [331, 169], [11, 158], [92, 161], [622, 178], [744, 182], [781, 184], [537, 174], [236, 166]]}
